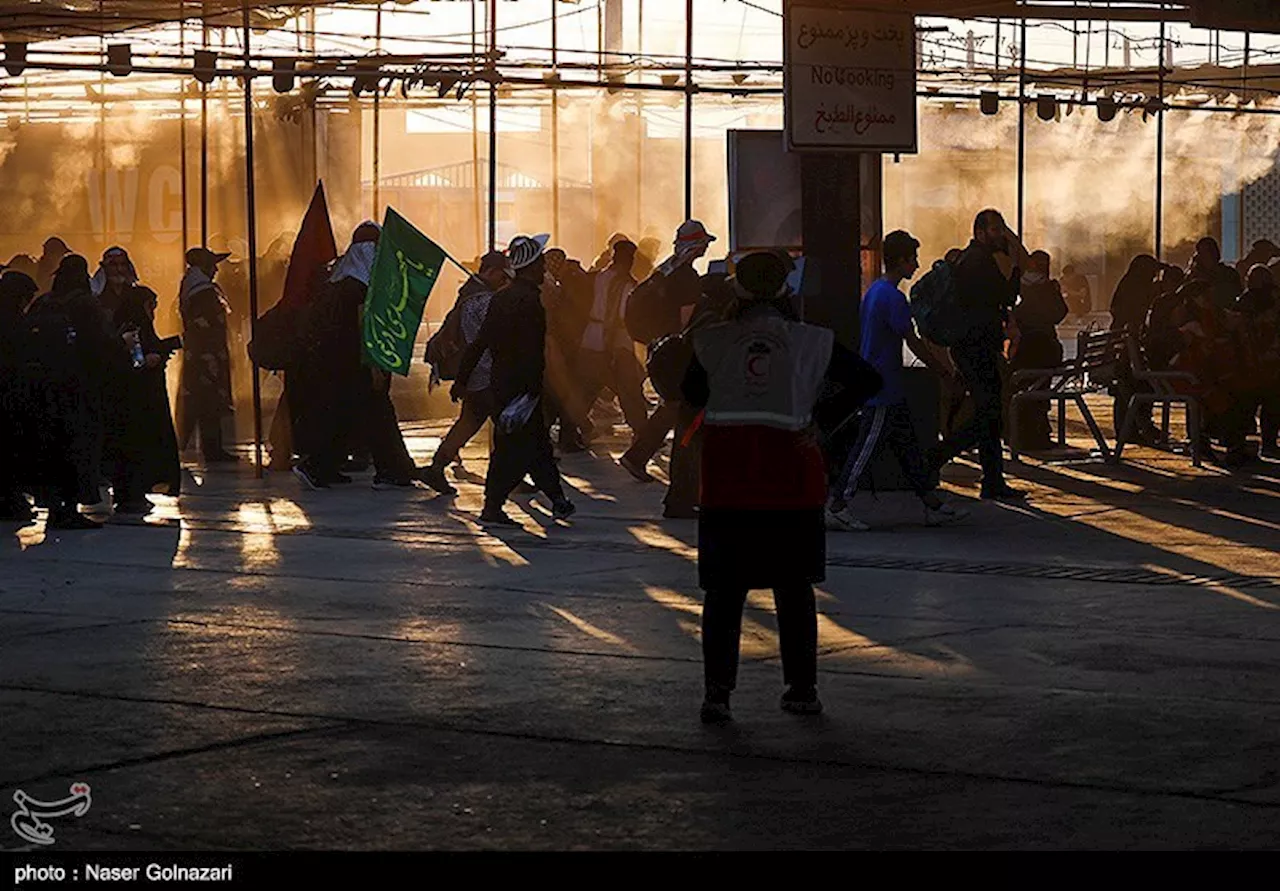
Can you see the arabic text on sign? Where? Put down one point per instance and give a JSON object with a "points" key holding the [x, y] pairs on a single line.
{"points": [[849, 38], [862, 120]]}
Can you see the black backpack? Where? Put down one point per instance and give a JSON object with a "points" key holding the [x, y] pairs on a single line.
{"points": [[47, 341], [646, 317], [276, 340], [446, 346], [936, 308]]}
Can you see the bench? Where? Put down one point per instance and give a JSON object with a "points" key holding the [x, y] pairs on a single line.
{"points": [[1097, 362], [1162, 392]]}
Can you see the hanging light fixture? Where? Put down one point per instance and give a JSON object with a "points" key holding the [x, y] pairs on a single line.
{"points": [[282, 75], [15, 57], [447, 82], [1046, 107], [206, 66], [120, 59], [989, 102], [1106, 109]]}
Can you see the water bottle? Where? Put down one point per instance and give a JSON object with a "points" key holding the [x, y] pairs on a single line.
{"points": [[139, 360]]}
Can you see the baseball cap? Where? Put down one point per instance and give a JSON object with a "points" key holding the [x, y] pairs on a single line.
{"points": [[200, 256]]}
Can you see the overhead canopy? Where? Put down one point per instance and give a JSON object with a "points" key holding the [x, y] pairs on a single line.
{"points": [[48, 19], [1238, 15]]}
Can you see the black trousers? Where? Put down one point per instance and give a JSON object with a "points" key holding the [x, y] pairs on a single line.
{"points": [[525, 450], [979, 365], [881, 426], [654, 433], [685, 470], [391, 458], [620, 371], [476, 409], [334, 413], [722, 634]]}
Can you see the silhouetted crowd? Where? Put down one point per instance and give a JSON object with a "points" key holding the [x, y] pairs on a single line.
{"points": [[554, 352], [1221, 327]]}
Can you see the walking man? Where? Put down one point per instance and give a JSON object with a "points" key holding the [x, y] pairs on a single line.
{"points": [[886, 420], [477, 402], [515, 334], [987, 294]]}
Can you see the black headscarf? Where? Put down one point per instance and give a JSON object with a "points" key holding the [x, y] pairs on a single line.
{"points": [[72, 276], [1135, 293], [16, 291]]}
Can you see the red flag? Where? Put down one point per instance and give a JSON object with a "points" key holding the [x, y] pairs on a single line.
{"points": [[313, 249]]}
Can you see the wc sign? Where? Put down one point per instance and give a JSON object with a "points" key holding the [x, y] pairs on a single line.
{"points": [[125, 202]]}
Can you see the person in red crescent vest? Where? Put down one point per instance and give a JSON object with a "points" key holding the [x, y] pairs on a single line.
{"points": [[757, 378]]}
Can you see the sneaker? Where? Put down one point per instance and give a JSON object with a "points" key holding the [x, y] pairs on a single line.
{"points": [[73, 520], [943, 514], [563, 509], [388, 482], [715, 710], [1005, 495], [309, 479], [679, 513], [844, 521], [801, 701], [355, 465], [434, 477], [141, 507], [637, 472], [497, 518]]}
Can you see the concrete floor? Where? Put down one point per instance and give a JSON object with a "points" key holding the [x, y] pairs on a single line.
{"points": [[369, 670]]}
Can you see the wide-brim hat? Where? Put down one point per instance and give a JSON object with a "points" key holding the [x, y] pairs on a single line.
{"points": [[200, 256], [692, 232], [525, 249]]}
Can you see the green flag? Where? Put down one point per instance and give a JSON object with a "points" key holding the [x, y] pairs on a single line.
{"points": [[405, 269]]}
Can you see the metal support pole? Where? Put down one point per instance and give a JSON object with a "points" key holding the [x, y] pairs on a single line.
{"points": [[315, 114], [688, 109], [555, 165], [377, 119], [204, 136], [182, 124], [555, 126], [1244, 98], [252, 213], [640, 129], [102, 131], [493, 124], [1022, 131], [1160, 154]]}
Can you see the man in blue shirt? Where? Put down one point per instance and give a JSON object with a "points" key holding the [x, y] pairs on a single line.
{"points": [[886, 420]]}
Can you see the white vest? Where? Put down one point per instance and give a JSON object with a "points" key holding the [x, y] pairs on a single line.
{"points": [[763, 369]]}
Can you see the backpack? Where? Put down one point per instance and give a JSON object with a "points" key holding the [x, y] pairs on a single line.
{"points": [[275, 344], [935, 306], [644, 317], [668, 362], [446, 346], [47, 341]]}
